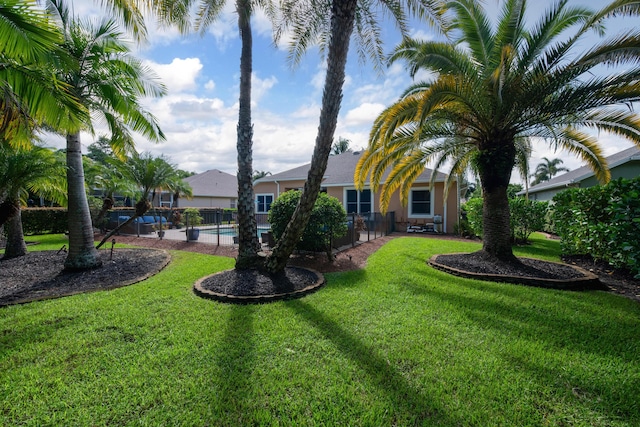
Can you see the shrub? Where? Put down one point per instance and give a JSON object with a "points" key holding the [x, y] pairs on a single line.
{"points": [[328, 220], [602, 221], [192, 217], [44, 220], [473, 209], [526, 216]]}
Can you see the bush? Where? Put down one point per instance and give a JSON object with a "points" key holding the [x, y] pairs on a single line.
{"points": [[602, 221], [192, 217], [473, 210], [526, 216], [44, 220], [328, 220]]}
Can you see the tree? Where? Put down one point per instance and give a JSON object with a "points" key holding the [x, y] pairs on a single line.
{"points": [[178, 12], [260, 174], [30, 95], [494, 86], [547, 170], [148, 175], [340, 146], [23, 170], [109, 83], [332, 23]]}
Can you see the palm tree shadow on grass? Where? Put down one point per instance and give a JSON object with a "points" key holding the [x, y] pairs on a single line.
{"points": [[232, 386], [408, 402]]}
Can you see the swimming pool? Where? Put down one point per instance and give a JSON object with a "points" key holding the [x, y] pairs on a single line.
{"points": [[226, 231]]}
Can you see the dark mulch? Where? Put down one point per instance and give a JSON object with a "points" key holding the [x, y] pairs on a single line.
{"points": [[534, 268], [256, 286], [524, 271], [617, 281], [40, 274]]}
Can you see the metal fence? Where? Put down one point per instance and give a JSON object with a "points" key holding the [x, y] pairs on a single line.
{"points": [[219, 227]]}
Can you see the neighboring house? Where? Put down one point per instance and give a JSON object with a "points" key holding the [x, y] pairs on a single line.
{"points": [[624, 164], [212, 189], [338, 182]]}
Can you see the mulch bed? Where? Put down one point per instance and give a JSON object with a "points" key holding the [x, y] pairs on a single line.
{"points": [[253, 286], [40, 274]]}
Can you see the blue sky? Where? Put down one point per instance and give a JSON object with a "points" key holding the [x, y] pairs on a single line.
{"points": [[199, 114]]}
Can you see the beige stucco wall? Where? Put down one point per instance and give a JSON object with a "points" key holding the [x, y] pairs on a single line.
{"points": [[449, 215], [205, 202]]}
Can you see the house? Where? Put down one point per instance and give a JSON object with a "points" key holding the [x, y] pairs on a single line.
{"points": [[624, 164], [212, 189], [423, 206]]}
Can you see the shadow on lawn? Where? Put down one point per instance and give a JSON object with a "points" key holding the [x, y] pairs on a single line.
{"points": [[408, 402], [234, 358], [552, 318]]}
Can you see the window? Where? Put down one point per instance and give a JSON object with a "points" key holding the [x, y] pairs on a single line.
{"points": [[420, 203], [263, 202], [232, 204], [360, 202]]}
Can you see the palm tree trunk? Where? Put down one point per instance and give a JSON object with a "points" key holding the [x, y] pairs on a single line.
{"points": [[248, 244], [82, 254], [342, 21], [16, 245], [7, 210], [494, 166]]}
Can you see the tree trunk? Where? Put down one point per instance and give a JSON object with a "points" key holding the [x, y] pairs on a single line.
{"points": [[8, 210], [342, 21], [494, 166], [16, 245], [248, 243], [82, 254]]}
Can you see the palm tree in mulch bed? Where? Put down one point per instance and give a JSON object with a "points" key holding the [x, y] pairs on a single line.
{"points": [[493, 86]]}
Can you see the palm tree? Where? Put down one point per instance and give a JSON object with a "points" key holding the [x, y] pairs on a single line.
{"points": [[30, 95], [495, 86], [333, 23], [37, 170], [340, 146], [148, 175], [178, 12], [109, 83], [547, 170], [260, 174]]}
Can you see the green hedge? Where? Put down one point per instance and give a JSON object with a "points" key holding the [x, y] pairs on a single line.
{"points": [[526, 216], [44, 220], [602, 221], [327, 219]]}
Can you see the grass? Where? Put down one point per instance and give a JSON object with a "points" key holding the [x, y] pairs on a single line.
{"points": [[398, 343]]}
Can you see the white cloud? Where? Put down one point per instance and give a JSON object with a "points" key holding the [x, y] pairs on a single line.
{"points": [[210, 85], [260, 87], [363, 115], [180, 75]]}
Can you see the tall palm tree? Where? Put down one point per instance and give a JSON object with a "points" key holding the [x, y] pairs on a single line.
{"points": [[332, 23], [147, 174], [23, 170], [547, 169], [494, 86], [109, 83], [30, 93], [178, 12]]}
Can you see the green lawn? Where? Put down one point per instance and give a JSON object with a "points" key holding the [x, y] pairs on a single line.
{"points": [[398, 343]]}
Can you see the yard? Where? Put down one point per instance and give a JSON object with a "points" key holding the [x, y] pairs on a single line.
{"points": [[397, 343]]}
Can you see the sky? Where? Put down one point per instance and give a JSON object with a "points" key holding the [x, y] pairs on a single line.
{"points": [[200, 112]]}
